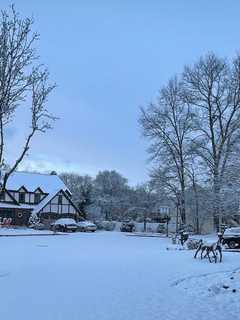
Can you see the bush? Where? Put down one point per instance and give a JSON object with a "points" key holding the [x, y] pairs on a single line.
{"points": [[161, 228], [33, 220], [192, 244], [109, 225], [106, 225]]}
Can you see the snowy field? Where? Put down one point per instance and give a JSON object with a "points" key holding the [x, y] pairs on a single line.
{"points": [[111, 276]]}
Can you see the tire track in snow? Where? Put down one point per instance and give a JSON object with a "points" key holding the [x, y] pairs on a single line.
{"points": [[177, 282]]}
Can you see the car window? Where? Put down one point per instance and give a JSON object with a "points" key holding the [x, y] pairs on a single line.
{"points": [[232, 230]]}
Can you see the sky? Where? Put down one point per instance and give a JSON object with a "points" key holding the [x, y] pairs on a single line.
{"points": [[108, 58]]}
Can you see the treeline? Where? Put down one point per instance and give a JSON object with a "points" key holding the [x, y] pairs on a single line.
{"points": [[194, 132], [108, 196]]}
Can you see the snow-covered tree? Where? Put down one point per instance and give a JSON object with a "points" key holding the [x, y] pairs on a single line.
{"points": [[212, 88], [23, 82], [82, 188], [168, 125], [111, 193]]}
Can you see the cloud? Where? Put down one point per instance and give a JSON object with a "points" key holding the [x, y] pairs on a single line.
{"points": [[44, 164]]}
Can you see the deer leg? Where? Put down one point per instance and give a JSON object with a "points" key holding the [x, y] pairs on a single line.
{"points": [[202, 252], [214, 255], [220, 253], [196, 253], [209, 258]]}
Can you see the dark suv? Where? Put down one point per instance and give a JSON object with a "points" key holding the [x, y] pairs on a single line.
{"points": [[127, 227], [231, 237]]}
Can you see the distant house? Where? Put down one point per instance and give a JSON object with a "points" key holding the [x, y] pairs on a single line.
{"points": [[43, 194]]}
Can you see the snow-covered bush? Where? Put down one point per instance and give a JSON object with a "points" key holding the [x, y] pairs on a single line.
{"points": [[106, 225], [33, 220], [99, 224], [192, 244], [35, 223], [109, 225]]}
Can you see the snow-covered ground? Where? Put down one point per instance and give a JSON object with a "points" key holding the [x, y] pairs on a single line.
{"points": [[22, 231], [111, 276]]}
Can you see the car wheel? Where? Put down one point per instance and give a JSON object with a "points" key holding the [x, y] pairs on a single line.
{"points": [[232, 244]]}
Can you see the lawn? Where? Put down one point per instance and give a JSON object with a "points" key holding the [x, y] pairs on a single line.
{"points": [[111, 276]]}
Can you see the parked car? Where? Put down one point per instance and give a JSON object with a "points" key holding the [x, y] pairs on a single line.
{"points": [[127, 227], [231, 237], [64, 225], [85, 226], [38, 226]]}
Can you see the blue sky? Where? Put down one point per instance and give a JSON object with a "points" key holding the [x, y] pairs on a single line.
{"points": [[108, 58]]}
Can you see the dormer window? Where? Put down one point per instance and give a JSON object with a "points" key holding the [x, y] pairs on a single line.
{"points": [[21, 197], [37, 198]]}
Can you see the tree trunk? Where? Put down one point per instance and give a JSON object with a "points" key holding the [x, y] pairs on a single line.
{"points": [[182, 204], [196, 207], [177, 218], [217, 202], [145, 224]]}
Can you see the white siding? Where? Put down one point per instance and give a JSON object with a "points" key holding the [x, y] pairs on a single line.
{"points": [[72, 209], [7, 198], [65, 200], [46, 209], [64, 209], [15, 195], [54, 208], [27, 197], [55, 200]]}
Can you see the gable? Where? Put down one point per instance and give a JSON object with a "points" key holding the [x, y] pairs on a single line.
{"points": [[60, 203], [38, 190], [22, 189]]}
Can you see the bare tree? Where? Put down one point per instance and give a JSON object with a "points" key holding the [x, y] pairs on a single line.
{"points": [[82, 188], [110, 191], [212, 86], [145, 201], [22, 81], [168, 124]]}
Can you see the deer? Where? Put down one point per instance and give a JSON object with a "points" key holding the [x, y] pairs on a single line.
{"points": [[208, 248]]}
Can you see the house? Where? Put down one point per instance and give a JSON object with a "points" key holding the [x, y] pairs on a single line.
{"points": [[33, 193]]}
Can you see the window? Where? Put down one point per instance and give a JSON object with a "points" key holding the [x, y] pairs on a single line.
{"points": [[60, 199], [36, 197], [21, 197], [2, 196]]}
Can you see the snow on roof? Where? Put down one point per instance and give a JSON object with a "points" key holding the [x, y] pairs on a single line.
{"points": [[48, 183], [45, 201], [16, 206], [66, 221]]}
